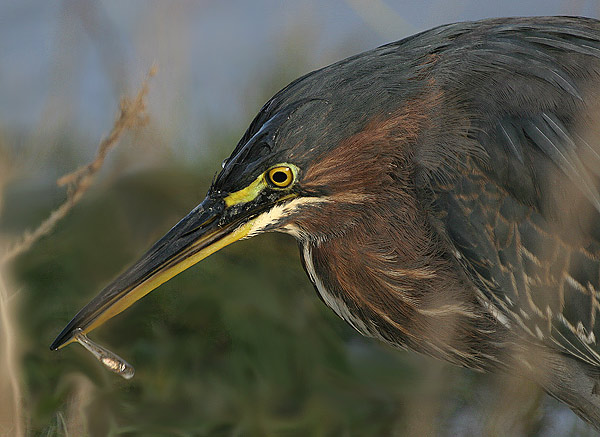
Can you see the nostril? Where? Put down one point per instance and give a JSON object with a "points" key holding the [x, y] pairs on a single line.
{"points": [[206, 222]]}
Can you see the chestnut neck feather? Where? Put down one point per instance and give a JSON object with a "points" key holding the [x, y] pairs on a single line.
{"points": [[404, 289]]}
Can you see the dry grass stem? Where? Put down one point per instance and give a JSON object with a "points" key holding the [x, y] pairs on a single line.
{"points": [[75, 421], [132, 115], [12, 415], [11, 412]]}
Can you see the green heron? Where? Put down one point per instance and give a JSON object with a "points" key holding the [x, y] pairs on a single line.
{"points": [[444, 192]]}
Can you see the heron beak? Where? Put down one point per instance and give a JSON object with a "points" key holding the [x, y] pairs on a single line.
{"points": [[208, 228]]}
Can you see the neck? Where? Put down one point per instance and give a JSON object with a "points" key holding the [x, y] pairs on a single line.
{"points": [[393, 283]]}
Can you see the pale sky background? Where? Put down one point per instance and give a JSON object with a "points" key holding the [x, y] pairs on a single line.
{"points": [[64, 64]]}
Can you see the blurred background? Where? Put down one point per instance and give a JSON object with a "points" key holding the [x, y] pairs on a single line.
{"points": [[240, 344]]}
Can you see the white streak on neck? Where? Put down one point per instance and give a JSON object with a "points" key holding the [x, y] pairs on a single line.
{"points": [[336, 304]]}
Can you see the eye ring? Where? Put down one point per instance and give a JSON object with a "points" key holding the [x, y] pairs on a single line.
{"points": [[281, 177]]}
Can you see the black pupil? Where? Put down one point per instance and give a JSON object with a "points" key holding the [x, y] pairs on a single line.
{"points": [[279, 177]]}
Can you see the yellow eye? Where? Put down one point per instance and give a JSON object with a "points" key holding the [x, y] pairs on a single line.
{"points": [[281, 176]]}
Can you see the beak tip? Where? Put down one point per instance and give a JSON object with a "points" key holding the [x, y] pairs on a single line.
{"points": [[55, 345], [61, 339]]}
